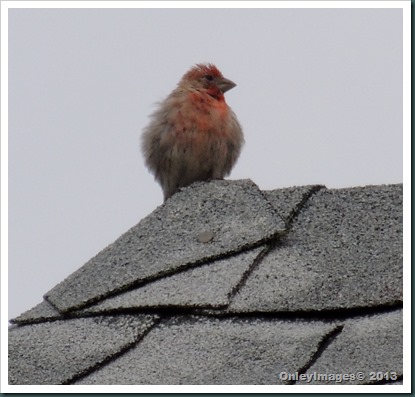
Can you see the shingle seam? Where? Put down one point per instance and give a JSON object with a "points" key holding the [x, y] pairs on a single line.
{"points": [[271, 207], [327, 340], [63, 314], [113, 357], [295, 212], [249, 271], [76, 315], [40, 320], [326, 315], [187, 266], [277, 237]]}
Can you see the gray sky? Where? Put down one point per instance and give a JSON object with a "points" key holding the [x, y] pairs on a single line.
{"points": [[319, 95]]}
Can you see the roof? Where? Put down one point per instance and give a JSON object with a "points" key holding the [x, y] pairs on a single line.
{"points": [[228, 284]]}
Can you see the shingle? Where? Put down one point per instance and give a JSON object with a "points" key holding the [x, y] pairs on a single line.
{"points": [[188, 350], [55, 352], [344, 251], [318, 295], [41, 312], [369, 345], [167, 240], [205, 286], [288, 200]]}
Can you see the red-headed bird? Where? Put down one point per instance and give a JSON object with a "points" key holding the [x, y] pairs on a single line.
{"points": [[193, 135]]}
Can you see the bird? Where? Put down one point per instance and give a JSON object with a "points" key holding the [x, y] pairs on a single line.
{"points": [[193, 135]]}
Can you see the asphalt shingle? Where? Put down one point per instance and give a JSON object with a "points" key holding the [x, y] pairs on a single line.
{"points": [[225, 284], [344, 251], [370, 345], [41, 312], [167, 240], [188, 350], [56, 352], [289, 200], [205, 286]]}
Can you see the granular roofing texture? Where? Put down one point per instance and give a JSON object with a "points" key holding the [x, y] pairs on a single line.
{"points": [[228, 284]]}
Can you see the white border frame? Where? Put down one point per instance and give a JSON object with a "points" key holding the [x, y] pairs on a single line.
{"points": [[404, 5]]}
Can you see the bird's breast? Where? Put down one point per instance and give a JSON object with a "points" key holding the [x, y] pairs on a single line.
{"points": [[201, 114]]}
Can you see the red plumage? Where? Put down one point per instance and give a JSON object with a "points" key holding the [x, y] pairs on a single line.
{"points": [[193, 135]]}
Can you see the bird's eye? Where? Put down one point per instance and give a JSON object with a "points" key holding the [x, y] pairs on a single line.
{"points": [[209, 77]]}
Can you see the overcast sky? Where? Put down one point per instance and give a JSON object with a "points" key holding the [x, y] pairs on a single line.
{"points": [[319, 96]]}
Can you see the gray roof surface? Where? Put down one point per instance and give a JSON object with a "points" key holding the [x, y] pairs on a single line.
{"points": [[228, 284]]}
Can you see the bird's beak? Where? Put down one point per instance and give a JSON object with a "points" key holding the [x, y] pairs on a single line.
{"points": [[225, 84]]}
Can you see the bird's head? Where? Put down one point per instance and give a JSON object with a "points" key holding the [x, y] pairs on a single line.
{"points": [[206, 77]]}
